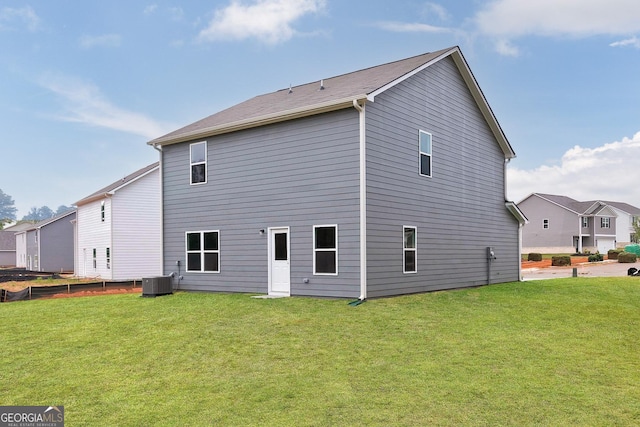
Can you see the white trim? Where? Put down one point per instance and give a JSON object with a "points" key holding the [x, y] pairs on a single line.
{"points": [[420, 153], [335, 226], [415, 249], [201, 251], [270, 232], [192, 163]]}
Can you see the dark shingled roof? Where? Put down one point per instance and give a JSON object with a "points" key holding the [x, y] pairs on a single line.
{"points": [[339, 92]]}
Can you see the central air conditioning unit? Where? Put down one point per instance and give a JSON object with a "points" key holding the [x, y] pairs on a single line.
{"points": [[156, 286]]}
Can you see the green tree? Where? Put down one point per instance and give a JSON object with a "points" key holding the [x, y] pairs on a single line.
{"points": [[7, 209], [636, 229], [38, 214]]}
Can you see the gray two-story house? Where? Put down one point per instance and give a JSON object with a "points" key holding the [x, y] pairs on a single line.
{"points": [[389, 180], [560, 224]]}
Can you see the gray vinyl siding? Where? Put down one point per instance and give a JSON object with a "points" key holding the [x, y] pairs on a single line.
{"points": [[56, 245], [458, 212], [300, 173], [563, 225]]}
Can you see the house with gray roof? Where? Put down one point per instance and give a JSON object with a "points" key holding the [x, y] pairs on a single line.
{"points": [[384, 181], [47, 245], [118, 228], [560, 224]]}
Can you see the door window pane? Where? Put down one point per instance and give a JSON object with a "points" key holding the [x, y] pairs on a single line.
{"points": [[280, 246]]}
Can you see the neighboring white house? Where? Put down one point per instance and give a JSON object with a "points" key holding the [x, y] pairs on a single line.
{"points": [[117, 234], [626, 216]]}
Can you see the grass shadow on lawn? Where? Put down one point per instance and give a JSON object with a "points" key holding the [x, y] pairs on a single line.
{"points": [[555, 352]]}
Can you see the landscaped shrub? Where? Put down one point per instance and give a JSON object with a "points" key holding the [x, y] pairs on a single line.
{"points": [[560, 261], [596, 257], [627, 257], [613, 253], [534, 256]]}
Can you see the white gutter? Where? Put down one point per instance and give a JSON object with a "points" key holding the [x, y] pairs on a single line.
{"points": [[363, 202], [159, 149]]}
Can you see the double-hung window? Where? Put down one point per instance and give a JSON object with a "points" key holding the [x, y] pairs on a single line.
{"points": [[102, 211], [108, 258], [325, 249], [425, 153], [545, 224], [605, 222], [95, 259], [410, 249], [198, 162], [585, 222], [203, 251]]}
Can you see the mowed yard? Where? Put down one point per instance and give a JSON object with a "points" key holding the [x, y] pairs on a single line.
{"points": [[543, 353]]}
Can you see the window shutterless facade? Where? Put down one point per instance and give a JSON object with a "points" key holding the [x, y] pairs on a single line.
{"points": [[325, 249], [108, 253], [95, 258], [425, 153], [203, 251], [545, 223], [102, 211], [410, 249], [198, 161]]}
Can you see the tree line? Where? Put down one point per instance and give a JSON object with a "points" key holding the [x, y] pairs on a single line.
{"points": [[8, 211]]}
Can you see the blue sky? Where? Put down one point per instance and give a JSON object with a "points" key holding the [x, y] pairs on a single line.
{"points": [[84, 85]]}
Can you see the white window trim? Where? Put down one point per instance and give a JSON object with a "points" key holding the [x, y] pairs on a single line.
{"points": [[192, 163], [201, 251], [335, 226], [420, 131], [415, 250], [585, 222]]}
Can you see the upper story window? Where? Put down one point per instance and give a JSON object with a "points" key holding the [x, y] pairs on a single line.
{"points": [[425, 153], [545, 223], [203, 251], [102, 211], [198, 162], [325, 249], [410, 250], [605, 222], [585, 222]]}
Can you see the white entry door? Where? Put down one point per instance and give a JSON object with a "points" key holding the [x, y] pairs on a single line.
{"points": [[279, 265]]}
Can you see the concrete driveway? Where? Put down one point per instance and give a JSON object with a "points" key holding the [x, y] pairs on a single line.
{"points": [[589, 269]]}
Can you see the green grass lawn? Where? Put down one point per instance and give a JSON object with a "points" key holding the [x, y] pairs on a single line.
{"points": [[545, 353]]}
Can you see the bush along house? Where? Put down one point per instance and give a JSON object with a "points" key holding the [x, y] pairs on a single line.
{"points": [[385, 181]]}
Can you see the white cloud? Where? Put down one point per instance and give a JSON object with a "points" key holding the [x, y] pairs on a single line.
{"points": [[266, 20], [509, 19], [608, 172], [506, 48], [437, 10], [412, 27], [84, 103], [148, 10], [24, 16], [105, 40], [633, 42]]}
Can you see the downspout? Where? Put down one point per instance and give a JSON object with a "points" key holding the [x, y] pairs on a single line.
{"points": [[159, 149], [520, 225], [363, 203]]}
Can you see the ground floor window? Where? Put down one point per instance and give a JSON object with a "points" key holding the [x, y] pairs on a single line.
{"points": [[108, 258], [95, 258], [325, 249], [410, 249], [203, 251]]}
